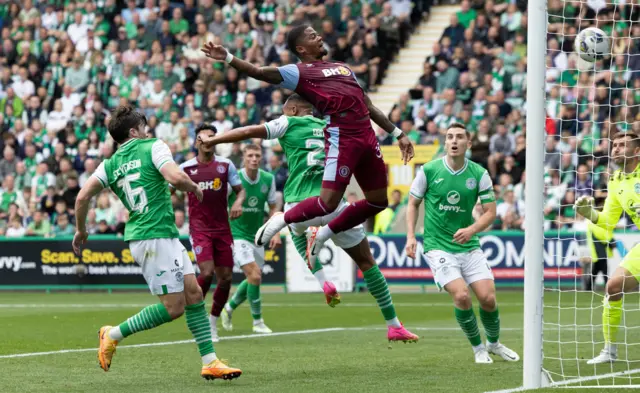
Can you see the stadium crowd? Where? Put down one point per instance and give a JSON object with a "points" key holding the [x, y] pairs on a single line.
{"points": [[65, 64]]}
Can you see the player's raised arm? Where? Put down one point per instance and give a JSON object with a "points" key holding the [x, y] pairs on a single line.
{"points": [[237, 135], [406, 147], [610, 214], [218, 52], [241, 194]]}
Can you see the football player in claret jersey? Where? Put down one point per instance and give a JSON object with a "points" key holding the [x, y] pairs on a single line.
{"points": [[300, 135], [260, 188], [351, 145], [450, 188], [209, 229], [623, 196], [138, 173]]}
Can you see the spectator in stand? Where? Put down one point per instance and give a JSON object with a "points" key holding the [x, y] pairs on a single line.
{"points": [[455, 31], [501, 145], [39, 226], [181, 222]]}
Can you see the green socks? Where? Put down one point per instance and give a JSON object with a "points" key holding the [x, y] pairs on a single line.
{"points": [[240, 296], [491, 322], [200, 328], [253, 294], [378, 288], [467, 321], [150, 317]]}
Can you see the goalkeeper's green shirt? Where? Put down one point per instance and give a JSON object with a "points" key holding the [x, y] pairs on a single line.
{"points": [[623, 193], [449, 198]]}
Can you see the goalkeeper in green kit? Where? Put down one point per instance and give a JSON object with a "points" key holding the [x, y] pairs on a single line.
{"points": [[301, 137], [450, 188]]}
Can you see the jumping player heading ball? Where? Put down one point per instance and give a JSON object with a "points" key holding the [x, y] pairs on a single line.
{"points": [[350, 143]]}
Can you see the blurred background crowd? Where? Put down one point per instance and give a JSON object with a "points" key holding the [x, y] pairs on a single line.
{"points": [[65, 64]]}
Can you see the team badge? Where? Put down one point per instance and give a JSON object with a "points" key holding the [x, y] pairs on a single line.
{"points": [[253, 201], [344, 171], [471, 183], [263, 189], [198, 250], [221, 169], [637, 188], [217, 184], [179, 276]]}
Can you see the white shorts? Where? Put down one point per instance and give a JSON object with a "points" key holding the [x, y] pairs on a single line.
{"points": [[164, 264], [347, 239], [470, 266], [245, 252]]}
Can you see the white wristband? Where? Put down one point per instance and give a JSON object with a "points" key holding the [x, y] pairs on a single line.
{"points": [[229, 57], [396, 133]]}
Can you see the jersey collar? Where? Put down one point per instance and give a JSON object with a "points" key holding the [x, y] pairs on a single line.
{"points": [[446, 165], [252, 182]]}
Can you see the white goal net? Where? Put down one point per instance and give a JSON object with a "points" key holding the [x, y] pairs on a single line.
{"points": [[585, 105]]}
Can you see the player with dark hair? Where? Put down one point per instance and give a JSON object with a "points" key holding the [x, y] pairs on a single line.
{"points": [[351, 145], [622, 197], [138, 174], [450, 188], [301, 137], [209, 229]]}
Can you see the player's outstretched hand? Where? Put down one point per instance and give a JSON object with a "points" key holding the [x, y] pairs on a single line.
{"points": [[79, 239], [235, 212], [199, 194], [463, 235], [215, 52], [584, 205], [206, 139], [275, 242], [411, 247], [406, 148]]}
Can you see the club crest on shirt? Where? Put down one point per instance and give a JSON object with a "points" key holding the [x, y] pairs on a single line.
{"points": [[217, 184], [344, 171], [636, 187], [198, 250], [221, 169], [471, 183], [263, 189]]}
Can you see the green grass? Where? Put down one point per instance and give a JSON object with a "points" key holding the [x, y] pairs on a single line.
{"points": [[348, 360]]}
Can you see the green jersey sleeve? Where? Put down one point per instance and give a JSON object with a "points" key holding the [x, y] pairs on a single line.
{"points": [[277, 128], [485, 189]]}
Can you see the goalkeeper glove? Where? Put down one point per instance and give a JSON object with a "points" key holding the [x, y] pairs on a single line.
{"points": [[584, 206]]}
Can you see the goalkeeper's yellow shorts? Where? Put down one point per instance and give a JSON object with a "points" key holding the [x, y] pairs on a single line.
{"points": [[631, 262]]}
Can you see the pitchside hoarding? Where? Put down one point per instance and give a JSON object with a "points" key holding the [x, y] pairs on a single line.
{"points": [[504, 252], [105, 261]]}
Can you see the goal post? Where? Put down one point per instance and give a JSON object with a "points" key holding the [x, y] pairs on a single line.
{"points": [[534, 188]]}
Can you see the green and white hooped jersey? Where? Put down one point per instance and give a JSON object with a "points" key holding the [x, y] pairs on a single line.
{"points": [[302, 139], [259, 192], [133, 174], [449, 198]]}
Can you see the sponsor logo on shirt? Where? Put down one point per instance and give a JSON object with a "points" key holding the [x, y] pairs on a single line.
{"points": [[253, 201], [214, 185], [336, 71], [453, 197], [438, 181]]}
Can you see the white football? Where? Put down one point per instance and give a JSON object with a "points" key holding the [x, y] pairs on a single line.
{"points": [[592, 44]]}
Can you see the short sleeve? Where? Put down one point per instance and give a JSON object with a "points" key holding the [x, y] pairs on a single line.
{"points": [[485, 189], [419, 185], [234, 178], [160, 154], [290, 76], [276, 128], [271, 198], [101, 174]]}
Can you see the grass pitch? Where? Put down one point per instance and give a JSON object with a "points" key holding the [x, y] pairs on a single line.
{"points": [[314, 348]]}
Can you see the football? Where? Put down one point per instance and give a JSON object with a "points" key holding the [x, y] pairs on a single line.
{"points": [[592, 44]]}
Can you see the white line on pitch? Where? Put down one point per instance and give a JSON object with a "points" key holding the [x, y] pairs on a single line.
{"points": [[240, 337]]}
